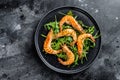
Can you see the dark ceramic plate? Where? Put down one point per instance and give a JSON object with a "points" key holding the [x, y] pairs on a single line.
{"points": [[51, 60]]}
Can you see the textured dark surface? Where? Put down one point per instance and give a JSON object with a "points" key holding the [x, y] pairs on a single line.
{"points": [[18, 57]]}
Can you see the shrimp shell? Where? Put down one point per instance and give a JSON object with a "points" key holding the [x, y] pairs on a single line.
{"points": [[80, 42], [70, 20], [70, 56], [47, 44]]}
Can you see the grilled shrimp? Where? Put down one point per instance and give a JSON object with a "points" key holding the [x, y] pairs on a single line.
{"points": [[68, 32], [70, 56], [70, 20], [47, 44], [80, 42]]}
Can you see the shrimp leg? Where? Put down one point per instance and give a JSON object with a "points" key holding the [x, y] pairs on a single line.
{"points": [[47, 44], [70, 20], [80, 42], [70, 56]]}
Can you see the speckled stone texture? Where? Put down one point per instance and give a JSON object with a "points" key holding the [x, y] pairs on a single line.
{"points": [[18, 57]]}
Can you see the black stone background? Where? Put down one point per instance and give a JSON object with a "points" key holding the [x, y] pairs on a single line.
{"points": [[18, 57]]}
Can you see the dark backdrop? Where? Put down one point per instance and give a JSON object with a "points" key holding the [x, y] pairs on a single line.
{"points": [[18, 57]]}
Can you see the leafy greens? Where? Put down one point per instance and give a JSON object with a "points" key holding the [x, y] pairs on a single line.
{"points": [[56, 44]]}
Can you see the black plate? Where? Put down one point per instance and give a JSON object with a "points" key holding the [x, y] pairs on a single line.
{"points": [[51, 60]]}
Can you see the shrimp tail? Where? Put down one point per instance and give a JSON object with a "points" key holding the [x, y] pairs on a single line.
{"points": [[80, 42], [70, 56]]}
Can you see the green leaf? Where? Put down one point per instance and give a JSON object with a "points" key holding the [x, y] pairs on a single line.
{"points": [[53, 25], [70, 13], [97, 35], [81, 23], [81, 60], [62, 55], [43, 35], [66, 27], [75, 17], [84, 54]]}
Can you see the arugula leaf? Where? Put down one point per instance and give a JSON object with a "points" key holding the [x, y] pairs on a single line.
{"points": [[81, 23], [66, 27], [43, 35], [75, 17], [75, 51], [62, 55], [97, 35], [70, 13], [56, 44], [53, 25]]}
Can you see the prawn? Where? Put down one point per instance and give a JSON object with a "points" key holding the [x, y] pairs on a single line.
{"points": [[68, 32], [70, 20], [47, 44], [70, 56], [80, 42]]}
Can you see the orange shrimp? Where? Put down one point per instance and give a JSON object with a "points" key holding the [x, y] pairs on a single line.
{"points": [[80, 42], [47, 44], [70, 20], [70, 56], [68, 32]]}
